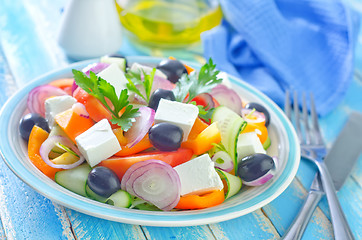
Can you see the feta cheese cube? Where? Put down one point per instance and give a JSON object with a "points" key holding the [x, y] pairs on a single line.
{"points": [[55, 105], [114, 75], [249, 143], [180, 114], [121, 62], [138, 68], [198, 176], [98, 143]]}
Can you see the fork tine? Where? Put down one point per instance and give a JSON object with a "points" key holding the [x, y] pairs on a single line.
{"points": [[297, 117], [287, 106], [305, 121], [314, 117]]}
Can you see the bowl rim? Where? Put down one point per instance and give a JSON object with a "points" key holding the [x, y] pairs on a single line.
{"points": [[189, 218]]}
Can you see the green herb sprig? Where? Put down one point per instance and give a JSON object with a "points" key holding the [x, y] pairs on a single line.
{"points": [[195, 84], [102, 90], [135, 79]]}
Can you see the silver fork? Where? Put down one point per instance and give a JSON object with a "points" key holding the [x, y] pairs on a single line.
{"points": [[313, 149]]}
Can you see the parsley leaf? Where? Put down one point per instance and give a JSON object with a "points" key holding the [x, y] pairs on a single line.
{"points": [[135, 79], [193, 84], [204, 112], [102, 90]]}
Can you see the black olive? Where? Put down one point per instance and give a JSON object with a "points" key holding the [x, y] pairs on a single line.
{"points": [[173, 69]]}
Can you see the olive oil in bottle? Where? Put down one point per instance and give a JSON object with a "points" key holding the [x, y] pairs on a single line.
{"points": [[168, 23]]}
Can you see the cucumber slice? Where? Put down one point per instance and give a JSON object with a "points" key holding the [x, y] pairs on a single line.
{"points": [[234, 183], [230, 125], [93, 195], [74, 179], [267, 143], [120, 199]]}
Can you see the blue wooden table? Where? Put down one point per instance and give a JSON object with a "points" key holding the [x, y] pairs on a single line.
{"points": [[28, 48]]}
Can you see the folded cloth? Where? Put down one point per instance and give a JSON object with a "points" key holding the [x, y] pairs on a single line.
{"points": [[275, 45]]}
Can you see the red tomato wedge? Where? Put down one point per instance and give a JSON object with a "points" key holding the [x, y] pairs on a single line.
{"points": [[93, 106], [63, 83], [121, 164]]}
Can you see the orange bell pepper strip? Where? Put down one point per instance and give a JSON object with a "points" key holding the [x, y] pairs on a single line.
{"points": [[36, 139], [197, 128], [138, 147], [201, 201], [72, 123], [204, 141], [259, 129]]}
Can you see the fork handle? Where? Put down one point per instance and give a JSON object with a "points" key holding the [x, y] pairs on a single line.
{"points": [[296, 229], [341, 228]]}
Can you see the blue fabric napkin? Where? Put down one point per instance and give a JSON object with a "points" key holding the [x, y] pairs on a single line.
{"points": [[275, 45]]}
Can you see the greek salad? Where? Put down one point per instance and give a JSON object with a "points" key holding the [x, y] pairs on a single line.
{"points": [[164, 138]]}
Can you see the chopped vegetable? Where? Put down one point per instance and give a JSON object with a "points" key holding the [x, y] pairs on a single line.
{"points": [[93, 106], [38, 95], [102, 90], [140, 128], [72, 123], [227, 97], [207, 200], [233, 183], [120, 164], [205, 140], [153, 181], [135, 79], [74, 179], [259, 129], [138, 147], [197, 128], [65, 84], [193, 85], [36, 139], [223, 161], [53, 141]]}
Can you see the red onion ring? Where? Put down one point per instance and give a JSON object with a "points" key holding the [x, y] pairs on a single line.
{"points": [[95, 67], [163, 83], [259, 116], [80, 109], [129, 173], [38, 95], [48, 145], [227, 97], [207, 98], [74, 86], [228, 163], [141, 126], [154, 181]]}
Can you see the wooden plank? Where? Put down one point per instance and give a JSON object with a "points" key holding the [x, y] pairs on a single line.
{"points": [[254, 225], [283, 210], [87, 227], [2, 232], [350, 198], [45, 16], [24, 212], [194, 232]]}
